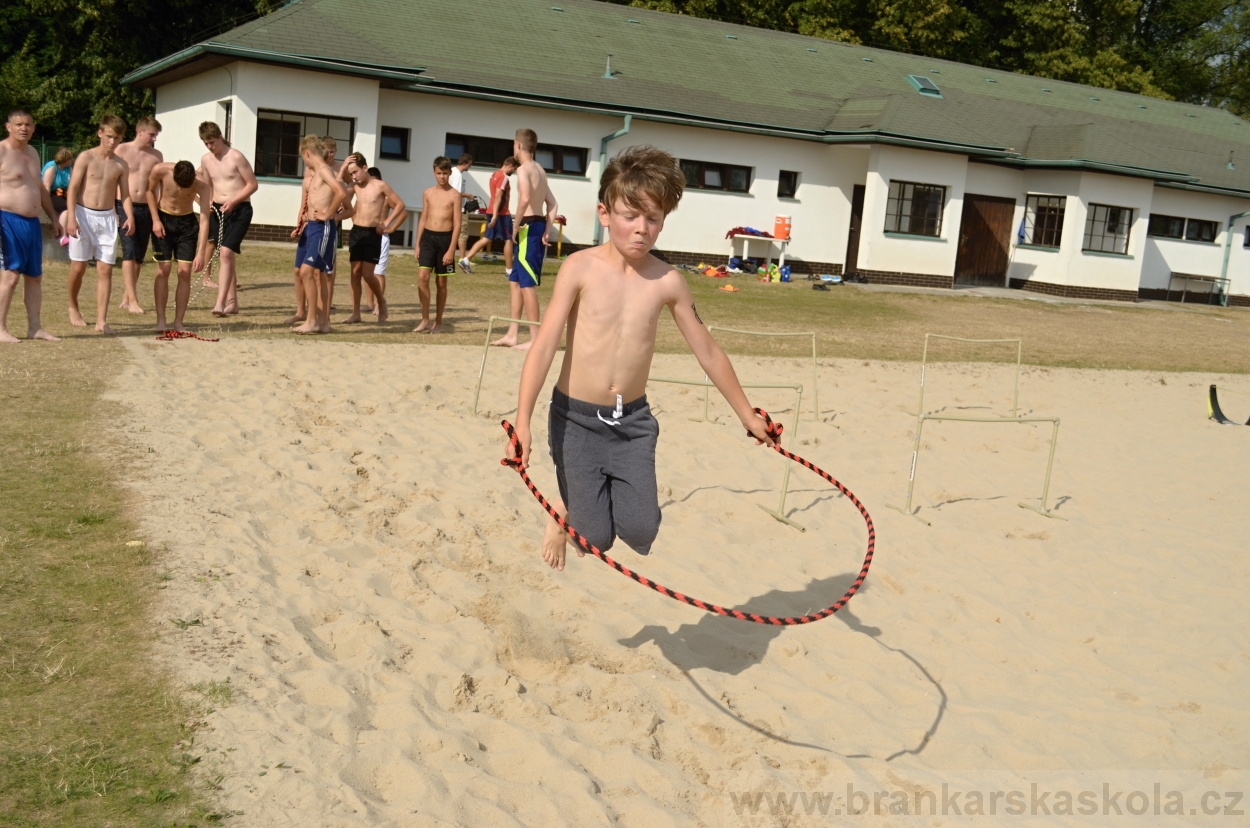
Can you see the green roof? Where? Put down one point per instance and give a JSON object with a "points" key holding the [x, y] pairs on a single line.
{"points": [[678, 68]]}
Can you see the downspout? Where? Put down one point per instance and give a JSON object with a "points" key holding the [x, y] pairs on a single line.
{"points": [[603, 163], [1228, 249]]}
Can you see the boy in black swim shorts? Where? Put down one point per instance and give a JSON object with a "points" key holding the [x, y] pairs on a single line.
{"points": [[436, 236], [178, 234]]}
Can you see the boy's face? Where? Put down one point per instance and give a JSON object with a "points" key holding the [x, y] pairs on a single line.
{"points": [[215, 145], [22, 127], [442, 176], [359, 174], [108, 138], [146, 137], [632, 230]]}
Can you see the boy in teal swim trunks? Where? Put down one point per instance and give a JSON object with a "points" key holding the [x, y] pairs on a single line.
{"points": [[22, 196], [601, 431]]}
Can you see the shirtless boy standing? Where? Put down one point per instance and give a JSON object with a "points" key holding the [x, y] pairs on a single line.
{"points": [[100, 179], [178, 235], [141, 156], [437, 232], [233, 182], [531, 230], [377, 213], [21, 237], [326, 198], [601, 431]]}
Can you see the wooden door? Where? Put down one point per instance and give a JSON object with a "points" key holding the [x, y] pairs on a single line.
{"points": [[852, 235], [984, 240]]}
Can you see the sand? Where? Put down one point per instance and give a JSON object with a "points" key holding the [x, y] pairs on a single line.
{"points": [[367, 579]]}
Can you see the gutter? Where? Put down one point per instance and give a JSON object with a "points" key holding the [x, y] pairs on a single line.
{"points": [[1161, 176], [603, 163], [264, 55]]}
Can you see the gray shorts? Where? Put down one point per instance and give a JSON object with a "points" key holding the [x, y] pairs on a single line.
{"points": [[605, 465]]}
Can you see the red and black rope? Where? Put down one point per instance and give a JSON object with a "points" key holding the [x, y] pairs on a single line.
{"points": [[774, 429], [169, 336]]}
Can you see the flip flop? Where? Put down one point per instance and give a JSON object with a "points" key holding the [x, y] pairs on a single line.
{"points": [[729, 288]]}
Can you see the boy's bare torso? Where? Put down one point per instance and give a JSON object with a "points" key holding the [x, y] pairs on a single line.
{"points": [[531, 189], [19, 179], [141, 161], [225, 174], [441, 204], [371, 203], [103, 176], [173, 199], [612, 325], [321, 193]]}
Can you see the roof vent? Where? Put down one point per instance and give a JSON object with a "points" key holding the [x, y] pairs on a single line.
{"points": [[924, 86], [731, 37], [990, 80], [866, 60], [810, 49], [1231, 165], [1044, 89], [608, 73]]}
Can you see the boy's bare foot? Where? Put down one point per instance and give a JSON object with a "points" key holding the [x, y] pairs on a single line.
{"points": [[296, 319], [179, 328], [44, 335], [75, 318], [383, 312], [207, 282], [161, 328], [555, 543], [218, 312], [325, 328], [437, 327], [5, 336], [131, 308], [352, 320], [103, 327], [308, 327], [505, 341], [370, 309], [232, 309], [425, 323], [524, 346]]}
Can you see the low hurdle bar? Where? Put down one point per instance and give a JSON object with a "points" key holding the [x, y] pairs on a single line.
{"points": [[779, 513], [1014, 418], [490, 329], [815, 370]]}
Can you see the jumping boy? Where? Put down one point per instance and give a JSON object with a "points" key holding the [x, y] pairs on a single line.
{"points": [[602, 433], [378, 212], [100, 179], [21, 237], [531, 229], [141, 155], [178, 235], [326, 198], [230, 175], [436, 240]]}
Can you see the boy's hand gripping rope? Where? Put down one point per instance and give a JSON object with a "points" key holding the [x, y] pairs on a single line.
{"points": [[774, 430]]}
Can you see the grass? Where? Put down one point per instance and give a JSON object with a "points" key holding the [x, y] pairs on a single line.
{"points": [[92, 733], [849, 321]]}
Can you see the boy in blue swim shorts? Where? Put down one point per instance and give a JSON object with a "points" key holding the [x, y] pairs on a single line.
{"points": [[535, 213], [21, 237], [601, 431]]}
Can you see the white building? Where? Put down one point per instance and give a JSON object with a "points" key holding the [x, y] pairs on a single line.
{"points": [[904, 169]]}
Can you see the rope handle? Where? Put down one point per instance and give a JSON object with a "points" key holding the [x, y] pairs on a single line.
{"points": [[169, 336], [774, 430]]}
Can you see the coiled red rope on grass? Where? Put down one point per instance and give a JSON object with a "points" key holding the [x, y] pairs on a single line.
{"points": [[169, 336], [774, 429]]}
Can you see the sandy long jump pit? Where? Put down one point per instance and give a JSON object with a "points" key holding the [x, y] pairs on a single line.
{"points": [[367, 578]]}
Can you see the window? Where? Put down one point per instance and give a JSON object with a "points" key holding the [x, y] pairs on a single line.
{"points": [[1043, 220], [703, 175], [1166, 227], [915, 209], [1200, 230], [1246, 241], [1107, 229], [394, 143], [490, 152], [787, 184], [278, 135], [227, 119]]}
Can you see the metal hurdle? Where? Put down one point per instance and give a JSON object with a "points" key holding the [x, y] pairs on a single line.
{"points": [[779, 513], [921, 416], [490, 329], [815, 369]]}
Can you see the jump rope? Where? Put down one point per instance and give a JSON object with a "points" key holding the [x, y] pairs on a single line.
{"points": [[208, 277], [774, 431]]}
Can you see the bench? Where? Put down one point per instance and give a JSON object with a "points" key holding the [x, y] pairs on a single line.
{"points": [[1218, 286]]}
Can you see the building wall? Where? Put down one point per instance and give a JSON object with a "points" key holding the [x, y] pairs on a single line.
{"points": [[891, 254], [183, 105], [1041, 264], [1166, 256]]}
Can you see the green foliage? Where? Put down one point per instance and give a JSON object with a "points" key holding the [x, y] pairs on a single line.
{"points": [[1191, 50], [63, 59]]}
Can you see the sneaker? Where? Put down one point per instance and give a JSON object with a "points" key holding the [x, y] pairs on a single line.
{"points": [[466, 266], [64, 240]]}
